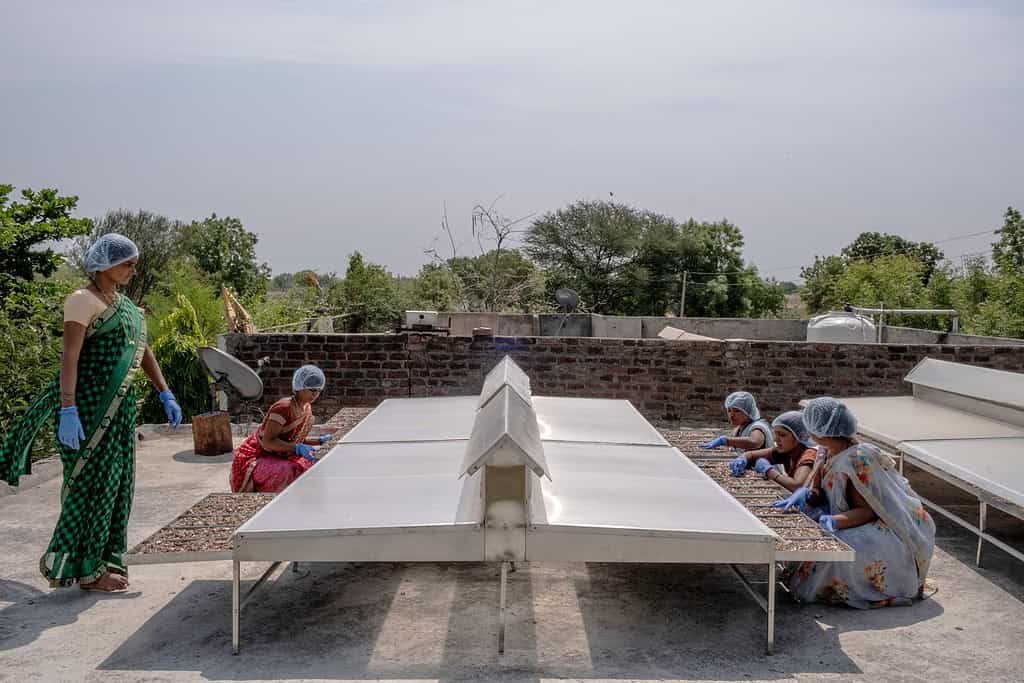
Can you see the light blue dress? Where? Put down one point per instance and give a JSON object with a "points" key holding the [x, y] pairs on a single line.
{"points": [[893, 552], [763, 427]]}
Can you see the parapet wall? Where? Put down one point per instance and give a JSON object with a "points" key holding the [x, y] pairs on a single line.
{"points": [[686, 380]]}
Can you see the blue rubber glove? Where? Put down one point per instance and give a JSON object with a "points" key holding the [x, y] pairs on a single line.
{"points": [[69, 432], [306, 451], [171, 407], [716, 443], [762, 466], [738, 465], [798, 499], [828, 523], [324, 438]]}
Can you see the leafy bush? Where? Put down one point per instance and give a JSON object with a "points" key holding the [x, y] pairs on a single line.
{"points": [[175, 350]]}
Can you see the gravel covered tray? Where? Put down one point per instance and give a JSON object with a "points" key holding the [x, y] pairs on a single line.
{"points": [[204, 531], [800, 538]]}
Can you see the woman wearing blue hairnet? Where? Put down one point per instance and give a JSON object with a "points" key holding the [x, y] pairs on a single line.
{"points": [[281, 449], [751, 432], [791, 460], [93, 399], [871, 508]]}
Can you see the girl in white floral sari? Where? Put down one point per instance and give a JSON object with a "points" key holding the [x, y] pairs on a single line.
{"points": [[873, 509]]}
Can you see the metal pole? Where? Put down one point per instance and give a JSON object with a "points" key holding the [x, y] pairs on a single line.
{"points": [[501, 617], [236, 577], [771, 605], [682, 297], [982, 523]]}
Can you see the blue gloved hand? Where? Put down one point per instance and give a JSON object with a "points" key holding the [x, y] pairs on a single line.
{"points": [[762, 466], [738, 465], [324, 438], [306, 451], [828, 523], [69, 432], [716, 443], [171, 407], [798, 499]]}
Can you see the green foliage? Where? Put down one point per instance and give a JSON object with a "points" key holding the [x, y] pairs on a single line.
{"points": [[592, 246], [25, 226], [820, 291], [175, 350], [226, 251], [31, 311], [1008, 251], [495, 281], [435, 288], [368, 295], [34, 337], [183, 279], [872, 245], [888, 270], [157, 237], [631, 262]]}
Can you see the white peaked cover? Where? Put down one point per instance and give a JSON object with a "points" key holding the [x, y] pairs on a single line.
{"points": [[985, 384], [505, 434], [505, 373]]}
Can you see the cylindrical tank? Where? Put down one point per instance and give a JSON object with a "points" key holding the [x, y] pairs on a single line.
{"points": [[840, 326]]}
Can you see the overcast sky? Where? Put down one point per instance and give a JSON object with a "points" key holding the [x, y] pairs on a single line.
{"points": [[334, 126]]}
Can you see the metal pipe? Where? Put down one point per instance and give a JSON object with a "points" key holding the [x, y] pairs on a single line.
{"points": [[259, 582], [982, 523], [771, 606], [902, 311], [970, 527], [501, 615], [235, 604]]}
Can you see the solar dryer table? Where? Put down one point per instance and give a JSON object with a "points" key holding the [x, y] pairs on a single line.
{"points": [[964, 425], [505, 477]]}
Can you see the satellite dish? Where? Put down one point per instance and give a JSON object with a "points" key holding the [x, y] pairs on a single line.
{"points": [[230, 373], [567, 298]]}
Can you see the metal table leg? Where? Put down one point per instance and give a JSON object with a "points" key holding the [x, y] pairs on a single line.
{"points": [[236, 607], [501, 616], [982, 523], [771, 607]]}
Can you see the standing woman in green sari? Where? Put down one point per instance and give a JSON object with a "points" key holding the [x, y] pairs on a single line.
{"points": [[94, 399]]}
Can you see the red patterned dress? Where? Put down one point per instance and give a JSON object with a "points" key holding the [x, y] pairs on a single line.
{"points": [[258, 469]]}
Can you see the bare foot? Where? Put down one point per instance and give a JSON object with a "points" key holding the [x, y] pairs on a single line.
{"points": [[107, 582]]}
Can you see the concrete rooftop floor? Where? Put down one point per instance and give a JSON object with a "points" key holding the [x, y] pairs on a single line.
{"points": [[439, 621]]}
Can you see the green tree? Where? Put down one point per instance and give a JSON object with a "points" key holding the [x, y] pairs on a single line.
{"points": [[368, 296], [183, 280], [591, 246], [871, 245], [157, 237], [31, 315], [175, 349], [497, 281], [819, 292], [437, 288], [226, 251], [1008, 251], [25, 227], [889, 281]]}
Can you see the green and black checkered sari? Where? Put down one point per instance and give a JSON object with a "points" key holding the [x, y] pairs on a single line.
{"points": [[99, 478]]}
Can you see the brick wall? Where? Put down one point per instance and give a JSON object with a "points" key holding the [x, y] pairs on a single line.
{"points": [[662, 378]]}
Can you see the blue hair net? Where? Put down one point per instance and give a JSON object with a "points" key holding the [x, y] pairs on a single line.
{"points": [[308, 377], [744, 402], [108, 251], [793, 422], [826, 416]]}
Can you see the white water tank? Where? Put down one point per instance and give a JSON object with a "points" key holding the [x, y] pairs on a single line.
{"points": [[841, 327]]}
